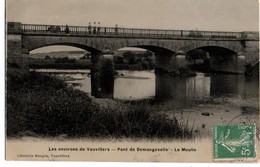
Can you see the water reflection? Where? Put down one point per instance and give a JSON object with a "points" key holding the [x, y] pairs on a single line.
{"points": [[135, 85], [145, 84], [233, 86], [181, 88], [102, 87]]}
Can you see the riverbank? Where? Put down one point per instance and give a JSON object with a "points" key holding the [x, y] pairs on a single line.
{"points": [[201, 115], [40, 105], [54, 64], [81, 64], [217, 111]]}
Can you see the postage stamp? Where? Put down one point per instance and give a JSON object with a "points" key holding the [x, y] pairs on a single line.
{"points": [[234, 142]]}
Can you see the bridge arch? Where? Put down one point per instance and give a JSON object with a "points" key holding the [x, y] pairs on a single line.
{"points": [[233, 46], [84, 47], [216, 51], [220, 59], [31, 43], [155, 46]]}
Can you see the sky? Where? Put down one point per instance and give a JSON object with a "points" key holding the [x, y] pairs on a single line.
{"points": [[211, 15]]}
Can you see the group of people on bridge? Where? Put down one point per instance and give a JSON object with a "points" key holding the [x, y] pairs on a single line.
{"points": [[91, 30], [96, 29]]}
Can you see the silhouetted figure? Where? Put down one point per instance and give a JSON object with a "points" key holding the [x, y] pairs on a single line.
{"points": [[67, 30], [94, 28], [98, 28], [116, 29], [89, 28], [52, 29], [57, 28]]}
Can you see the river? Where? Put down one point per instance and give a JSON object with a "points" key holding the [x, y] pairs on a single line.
{"points": [[198, 102], [135, 85]]}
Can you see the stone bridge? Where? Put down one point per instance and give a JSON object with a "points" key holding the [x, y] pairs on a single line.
{"points": [[228, 51]]}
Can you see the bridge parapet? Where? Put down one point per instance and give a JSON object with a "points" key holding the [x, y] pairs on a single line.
{"points": [[18, 28], [125, 32], [249, 35]]}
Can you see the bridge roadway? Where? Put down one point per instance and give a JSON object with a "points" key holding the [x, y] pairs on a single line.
{"points": [[229, 51], [125, 32]]}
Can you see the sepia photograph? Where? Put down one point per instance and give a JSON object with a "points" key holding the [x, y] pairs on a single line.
{"points": [[132, 80]]}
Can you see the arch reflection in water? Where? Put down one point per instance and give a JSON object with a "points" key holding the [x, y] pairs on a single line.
{"points": [[181, 88], [176, 89], [233, 85], [102, 87]]}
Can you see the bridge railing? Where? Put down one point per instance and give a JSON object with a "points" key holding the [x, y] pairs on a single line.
{"points": [[125, 32]]}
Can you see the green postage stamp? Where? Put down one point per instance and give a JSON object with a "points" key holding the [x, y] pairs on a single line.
{"points": [[234, 142]]}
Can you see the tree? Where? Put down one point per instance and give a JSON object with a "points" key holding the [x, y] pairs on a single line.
{"points": [[130, 56], [47, 57], [83, 57], [148, 54], [65, 60]]}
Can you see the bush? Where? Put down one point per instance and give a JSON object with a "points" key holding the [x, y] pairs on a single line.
{"points": [[130, 56], [47, 57], [64, 60], [252, 70]]}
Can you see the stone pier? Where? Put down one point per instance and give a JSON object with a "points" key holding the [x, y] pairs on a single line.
{"points": [[102, 75], [16, 55]]}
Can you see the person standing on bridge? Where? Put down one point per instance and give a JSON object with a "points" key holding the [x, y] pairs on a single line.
{"points": [[94, 28], [116, 29], [98, 28], [89, 28], [67, 30]]}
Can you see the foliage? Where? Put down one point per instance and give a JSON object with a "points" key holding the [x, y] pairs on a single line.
{"points": [[83, 57], [47, 57], [183, 72], [50, 63], [197, 54], [252, 70], [118, 60], [130, 56], [64, 60], [133, 67], [40, 105]]}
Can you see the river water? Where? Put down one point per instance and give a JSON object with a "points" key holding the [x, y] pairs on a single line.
{"points": [[135, 85], [198, 102]]}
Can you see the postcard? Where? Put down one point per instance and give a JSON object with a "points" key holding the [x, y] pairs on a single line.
{"points": [[132, 81]]}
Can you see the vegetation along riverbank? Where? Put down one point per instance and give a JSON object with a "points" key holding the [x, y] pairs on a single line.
{"points": [[65, 63], [41, 105]]}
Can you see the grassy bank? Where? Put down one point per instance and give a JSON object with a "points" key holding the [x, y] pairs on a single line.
{"points": [[40, 105]]}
